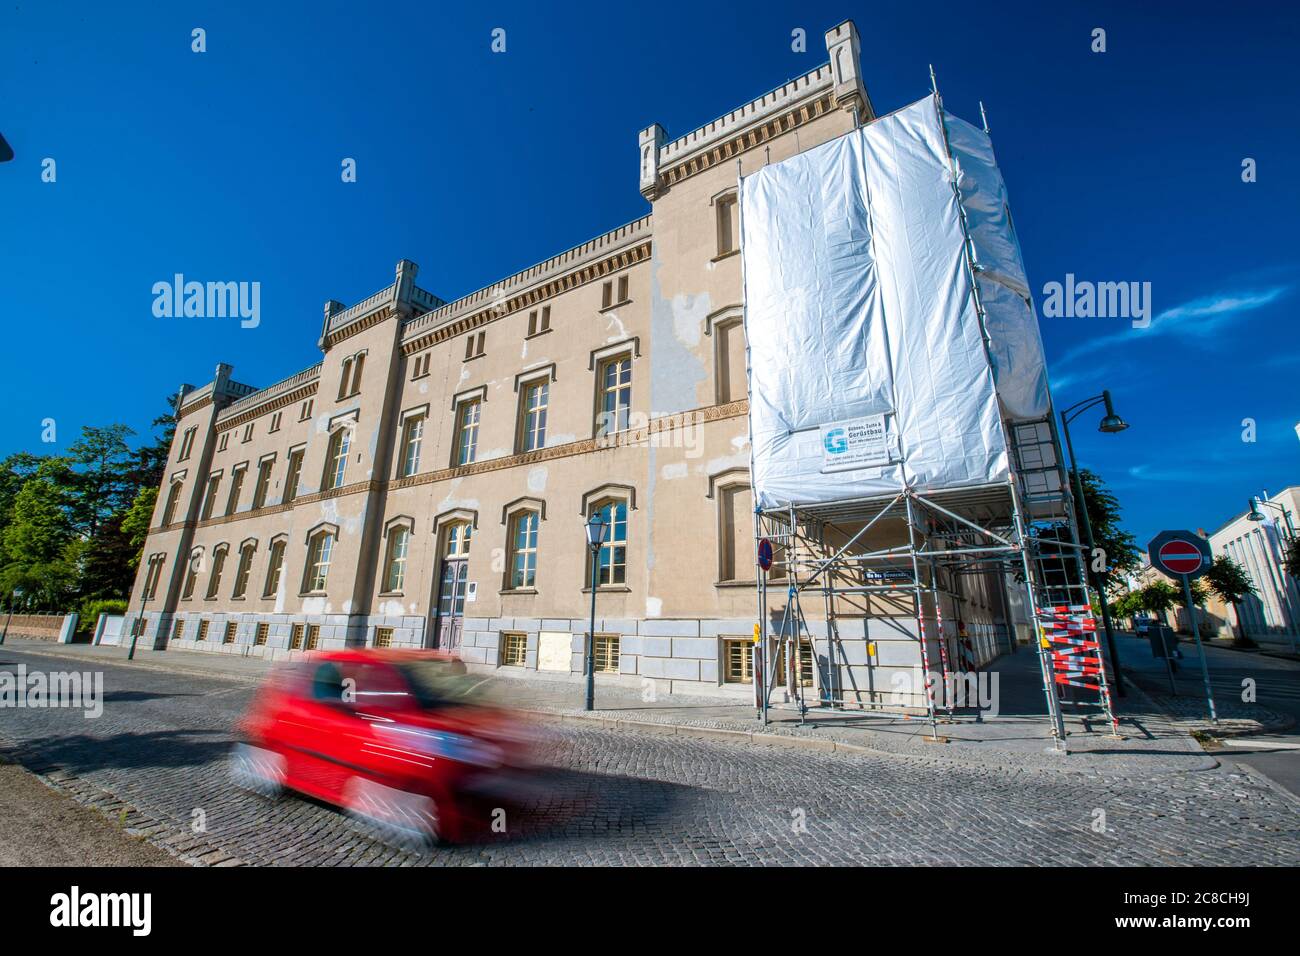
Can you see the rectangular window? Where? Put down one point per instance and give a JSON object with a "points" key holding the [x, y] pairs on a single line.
{"points": [[727, 225], [606, 295], [737, 661], [533, 424], [232, 629], [622, 289], [304, 412], [275, 565], [399, 541], [313, 637], [291, 478], [318, 561], [736, 534], [236, 485], [178, 629], [336, 458], [263, 482], [467, 416], [539, 321], [604, 654], [412, 439], [729, 362], [805, 665], [475, 345], [614, 401], [210, 499], [275, 423], [223, 441], [295, 637], [383, 637], [242, 571], [263, 631], [248, 432], [187, 443], [203, 631], [152, 578], [514, 649], [523, 550]]}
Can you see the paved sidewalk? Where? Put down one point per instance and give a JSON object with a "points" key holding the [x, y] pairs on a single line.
{"points": [[1017, 737]]}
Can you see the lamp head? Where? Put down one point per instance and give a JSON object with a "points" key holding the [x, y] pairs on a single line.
{"points": [[597, 530], [1111, 423], [1255, 514]]}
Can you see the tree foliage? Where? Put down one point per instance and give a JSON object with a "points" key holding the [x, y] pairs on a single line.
{"points": [[72, 526]]}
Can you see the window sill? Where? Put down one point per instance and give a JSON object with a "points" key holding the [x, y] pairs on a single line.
{"points": [[392, 594], [523, 591], [609, 588], [616, 305], [538, 334], [735, 584], [307, 594], [473, 357], [725, 255]]}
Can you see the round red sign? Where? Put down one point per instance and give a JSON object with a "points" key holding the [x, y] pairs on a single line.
{"points": [[1181, 557]]}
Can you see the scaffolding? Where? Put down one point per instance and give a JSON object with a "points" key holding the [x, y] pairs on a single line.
{"points": [[883, 565], [899, 558]]}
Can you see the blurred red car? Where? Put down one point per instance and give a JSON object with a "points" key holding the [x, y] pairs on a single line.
{"points": [[394, 737]]}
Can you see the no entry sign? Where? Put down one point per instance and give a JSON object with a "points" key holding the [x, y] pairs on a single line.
{"points": [[1179, 554]]}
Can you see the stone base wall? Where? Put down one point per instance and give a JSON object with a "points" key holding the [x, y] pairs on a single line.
{"points": [[873, 663]]}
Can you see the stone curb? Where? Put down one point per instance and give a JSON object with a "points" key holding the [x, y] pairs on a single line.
{"points": [[168, 668], [1277, 726]]}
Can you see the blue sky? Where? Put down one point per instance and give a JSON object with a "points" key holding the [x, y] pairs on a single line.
{"points": [[1122, 166]]}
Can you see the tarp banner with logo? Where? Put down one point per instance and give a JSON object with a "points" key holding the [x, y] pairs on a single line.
{"points": [[868, 367]]}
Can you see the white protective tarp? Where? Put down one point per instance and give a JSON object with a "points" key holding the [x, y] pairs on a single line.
{"points": [[858, 305]]}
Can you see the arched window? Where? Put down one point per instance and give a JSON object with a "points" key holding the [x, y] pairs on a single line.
{"points": [[612, 562], [399, 542], [336, 458], [274, 568], [319, 547], [218, 563], [173, 497], [245, 566], [523, 550], [457, 539]]}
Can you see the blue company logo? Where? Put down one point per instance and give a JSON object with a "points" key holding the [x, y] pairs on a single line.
{"points": [[835, 441]]}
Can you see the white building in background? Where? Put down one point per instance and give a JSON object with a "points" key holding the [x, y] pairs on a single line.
{"points": [[1273, 614]]}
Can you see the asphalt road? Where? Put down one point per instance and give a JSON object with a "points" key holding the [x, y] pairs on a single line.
{"points": [[617, 797]]}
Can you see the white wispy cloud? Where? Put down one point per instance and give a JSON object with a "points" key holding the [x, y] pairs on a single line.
{"points": [[1197, 319]]}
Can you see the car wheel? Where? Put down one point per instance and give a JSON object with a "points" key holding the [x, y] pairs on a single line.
{"points": [[257, 769], [405, 820]]}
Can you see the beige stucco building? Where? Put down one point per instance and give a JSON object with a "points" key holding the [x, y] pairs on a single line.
{"points": [[426, 484]]}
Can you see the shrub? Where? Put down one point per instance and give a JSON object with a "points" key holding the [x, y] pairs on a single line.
{"points": [[92, 608]]}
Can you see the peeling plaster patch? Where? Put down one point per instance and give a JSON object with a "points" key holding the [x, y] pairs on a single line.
{"points": [[562, 439], [464, 373], [391, 609], [347, 606], [678, 470], [618, 333], [279, 597], [740, 441], [537, 479], [731, 461], [675, 327], [494, 453], [414, 606], [424, 388], [314, 605], [653, 606]]}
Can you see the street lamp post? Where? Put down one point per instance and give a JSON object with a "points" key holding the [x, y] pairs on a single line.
{"points": [[597, 534], [17, 593], [1110, 424]]}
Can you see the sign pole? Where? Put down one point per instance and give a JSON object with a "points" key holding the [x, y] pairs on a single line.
{"points": [[1196, 633]]}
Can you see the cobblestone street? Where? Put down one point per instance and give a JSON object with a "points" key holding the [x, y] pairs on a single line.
{"points": [[156, 759]]}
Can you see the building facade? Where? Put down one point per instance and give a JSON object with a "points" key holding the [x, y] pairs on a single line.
{"points": [[1272, 614], [426, 484]]}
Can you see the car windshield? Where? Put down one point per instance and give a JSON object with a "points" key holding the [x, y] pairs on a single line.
{"points": [[439, 683]]}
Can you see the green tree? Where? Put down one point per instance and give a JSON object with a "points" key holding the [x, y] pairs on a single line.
{"points": [[103, 475], [1230, 583], [41, 549], [1118, 546], [1159, 597], [135, 523]]}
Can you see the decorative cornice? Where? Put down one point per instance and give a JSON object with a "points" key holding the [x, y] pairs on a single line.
{"points": [[717, 150], [631, 437]]}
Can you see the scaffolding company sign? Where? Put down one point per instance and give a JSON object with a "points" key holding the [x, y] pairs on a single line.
{"points": [[854, 443]]}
